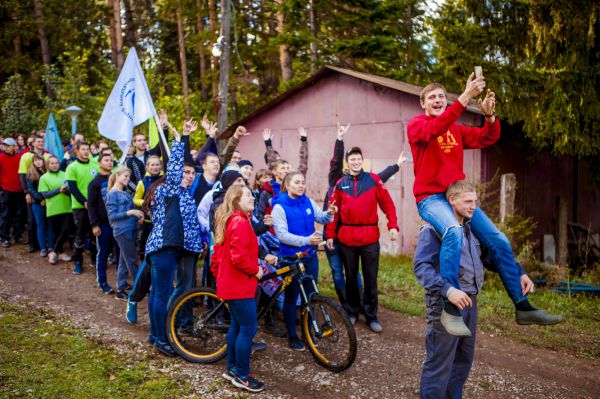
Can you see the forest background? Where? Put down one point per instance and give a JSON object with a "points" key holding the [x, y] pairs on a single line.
{"points": [[541, 57]]}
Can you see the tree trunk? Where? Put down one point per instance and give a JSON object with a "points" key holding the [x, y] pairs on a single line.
{"points": [[201, 55], [130, 37], [17, 42], [224, 65], [113, 37], [233, 103], [562, 232], [116, 7], [313, 32], [212, 18], [284, 55], [183, 62], [44, 46]]}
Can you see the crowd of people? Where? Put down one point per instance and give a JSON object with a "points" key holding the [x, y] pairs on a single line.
{"points": [[170, 222]]}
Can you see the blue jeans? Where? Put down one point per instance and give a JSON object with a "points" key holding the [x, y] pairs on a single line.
{"points": [[242, 329], [184, 280], [104, 244], [337, 268], [292, 292], [44, 233], [127, 259], [164, 262], [448, 359], [436, 211]]}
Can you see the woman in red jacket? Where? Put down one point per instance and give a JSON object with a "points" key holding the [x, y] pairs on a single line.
{"points": [[235, 266]]}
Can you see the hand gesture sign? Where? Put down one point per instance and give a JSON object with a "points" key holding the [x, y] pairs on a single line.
{"points": [[302, 132], [332, 209], [488, 104], [163, 118], [189, 126], [209, 127], [342, 130]]}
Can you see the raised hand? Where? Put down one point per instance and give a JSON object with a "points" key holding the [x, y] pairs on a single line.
{"points": [[302, 131], [163, 118], [342, 130], [209, 127], [240, 131], [267, 134], [401, 159], [473, 88], [332, 209], [189, 126], [488, 104]]}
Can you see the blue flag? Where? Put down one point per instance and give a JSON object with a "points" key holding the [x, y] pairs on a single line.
{"points": [[52, 142]]}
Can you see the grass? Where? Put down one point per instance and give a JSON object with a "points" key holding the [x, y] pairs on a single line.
{"points": [[579, 333], [41, 356]]}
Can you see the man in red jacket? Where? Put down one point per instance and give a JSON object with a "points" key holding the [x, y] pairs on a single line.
{"points": [[11, 194], [357, 196], [437, 144]]}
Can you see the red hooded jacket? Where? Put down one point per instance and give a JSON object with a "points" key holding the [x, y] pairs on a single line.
{"points": [[9, 172], [437, 145], [235, 261], [357, 198]]}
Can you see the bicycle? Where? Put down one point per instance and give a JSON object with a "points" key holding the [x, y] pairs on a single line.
{"points": [[327, 330]]}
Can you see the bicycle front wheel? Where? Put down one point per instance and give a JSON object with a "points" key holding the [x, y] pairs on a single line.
{"points": [[197, 324], [333, 342]]}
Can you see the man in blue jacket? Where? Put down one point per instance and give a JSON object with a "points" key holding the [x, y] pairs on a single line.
{"points": [[449, 358]]}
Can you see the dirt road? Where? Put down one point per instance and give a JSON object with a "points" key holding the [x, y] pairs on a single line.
{"points": [[387, 365]]}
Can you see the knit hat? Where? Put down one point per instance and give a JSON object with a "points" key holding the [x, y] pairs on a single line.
{"points": [[229, 177], [244, 162]]}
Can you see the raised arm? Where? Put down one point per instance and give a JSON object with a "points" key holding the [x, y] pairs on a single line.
{"points": [[303, 152], [271, 154]]}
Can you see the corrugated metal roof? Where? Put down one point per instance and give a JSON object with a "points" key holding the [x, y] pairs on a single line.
{"points": [[326, 70]]}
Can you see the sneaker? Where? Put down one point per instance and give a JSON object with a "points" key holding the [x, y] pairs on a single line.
{"points": [[165, 348], [77, 268], [127, 287], [375, 326], [249, 384], [121, 295], [131, 313], [228, 375], [352, 319], [43, 253], [296, 344], [23, 241], [455, 325], [93, 264], [107, 289], [52, 257], [64, 257], [258, 346], [537, 316], [151, 340], [5, 244]]}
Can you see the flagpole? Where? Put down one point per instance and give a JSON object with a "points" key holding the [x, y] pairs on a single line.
{"points": [[161, 135]]}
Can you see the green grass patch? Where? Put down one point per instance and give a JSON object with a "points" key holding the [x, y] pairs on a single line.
{"points": [[42, 356], [578, 333]]}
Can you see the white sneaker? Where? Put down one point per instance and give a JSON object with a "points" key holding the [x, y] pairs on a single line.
{"points": [[52, 257], [64, 257]]}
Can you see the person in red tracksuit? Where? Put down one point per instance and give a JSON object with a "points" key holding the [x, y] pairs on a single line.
{"points": [[356, 229], [235, 266], [12, 198]]}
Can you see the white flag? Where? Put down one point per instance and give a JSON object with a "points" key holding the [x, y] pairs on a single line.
{"points": [[128, 105]]}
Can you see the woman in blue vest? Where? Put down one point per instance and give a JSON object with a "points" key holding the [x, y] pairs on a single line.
{"points": [[294, 217]]}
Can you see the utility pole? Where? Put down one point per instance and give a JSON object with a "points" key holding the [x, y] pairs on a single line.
{"points": [[224, 65]]}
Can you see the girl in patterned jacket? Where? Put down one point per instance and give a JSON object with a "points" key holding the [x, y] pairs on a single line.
{"points": [[174, 240]]}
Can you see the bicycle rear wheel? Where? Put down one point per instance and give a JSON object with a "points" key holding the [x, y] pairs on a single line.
{"points": [[334, 345], [197, 326]]}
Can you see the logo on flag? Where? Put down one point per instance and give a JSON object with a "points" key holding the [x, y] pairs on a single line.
{"points": [[127, 98]]}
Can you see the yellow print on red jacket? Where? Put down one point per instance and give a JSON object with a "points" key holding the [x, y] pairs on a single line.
{"points": [[447, 142]]}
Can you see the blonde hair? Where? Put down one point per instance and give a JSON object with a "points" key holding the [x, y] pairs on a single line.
{"points": [[113, 177], [429, 88], [152, 158], [459, 187], [33, 173], [230, 204], [288, 178]]}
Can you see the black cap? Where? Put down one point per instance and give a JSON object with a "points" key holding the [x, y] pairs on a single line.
{"points": [[354, 150]]}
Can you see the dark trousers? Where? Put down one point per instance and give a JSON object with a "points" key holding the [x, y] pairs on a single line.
{"points": [[449, 358], [292, 292], [83, 232], [164, 264], [143, 233], [12, 212], [105, 243], [60, 225], [368, 256], [142, 282], [32, 228]]}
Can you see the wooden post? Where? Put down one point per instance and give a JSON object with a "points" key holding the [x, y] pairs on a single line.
{"points": [[224, 66], [508, 188], [562, 232]]}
